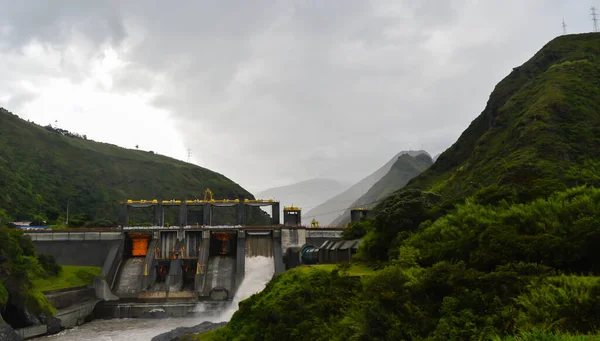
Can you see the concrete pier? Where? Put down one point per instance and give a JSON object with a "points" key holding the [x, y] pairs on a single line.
{"points": [[240, 265]]}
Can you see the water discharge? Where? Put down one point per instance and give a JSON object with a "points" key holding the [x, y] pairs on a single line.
{"points": [[259, 271]]}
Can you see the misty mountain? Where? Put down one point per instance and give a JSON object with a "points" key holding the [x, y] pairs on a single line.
{"points": [[331, 209], [403, 170], [305, 194]]}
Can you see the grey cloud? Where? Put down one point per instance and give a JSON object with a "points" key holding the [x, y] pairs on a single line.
{"points": [[269, 92], [55, 21]]}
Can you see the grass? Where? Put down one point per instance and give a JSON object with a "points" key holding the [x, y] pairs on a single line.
{"points": [[354, 269], [71, 276], [208, 336]]}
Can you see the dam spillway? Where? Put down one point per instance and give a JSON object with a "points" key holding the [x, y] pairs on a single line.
{"points": [[259, 244], [147, 268]]}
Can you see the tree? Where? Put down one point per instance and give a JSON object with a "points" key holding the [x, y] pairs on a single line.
{"points": [[5, 219]]}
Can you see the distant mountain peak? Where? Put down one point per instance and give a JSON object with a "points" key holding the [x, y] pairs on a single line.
{"points": [[402, 171], [330, 210]]}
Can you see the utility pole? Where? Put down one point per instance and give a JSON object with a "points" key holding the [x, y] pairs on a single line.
{"points": [[68, 202], [189, 155], [564, 26], [594, 18]]}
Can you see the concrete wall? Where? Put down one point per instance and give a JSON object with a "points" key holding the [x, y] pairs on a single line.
{"points": [[200, 278], [134, 310], [112, 261], [69, 317], [84, 252], [318, 237], [32, 331], [74, 235], [278, 253], [63, 299], [292, 238], [76, 315], [240, 263]]}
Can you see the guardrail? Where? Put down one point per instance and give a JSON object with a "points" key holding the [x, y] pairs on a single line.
{"points": [[75, 236]]}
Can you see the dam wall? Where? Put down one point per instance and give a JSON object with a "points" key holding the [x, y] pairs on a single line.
{"points": [[180, 259], [76, 248]]}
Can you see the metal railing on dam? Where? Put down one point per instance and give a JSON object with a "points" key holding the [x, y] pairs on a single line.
{"points": [[116, 233], [74, 235]]}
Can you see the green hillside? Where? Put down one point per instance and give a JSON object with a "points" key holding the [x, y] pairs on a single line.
{"points": [[41, 169], [496, 241], [540, 130], [403, 170]]}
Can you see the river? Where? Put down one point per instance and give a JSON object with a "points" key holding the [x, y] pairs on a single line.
{"points": [[259, 271]]}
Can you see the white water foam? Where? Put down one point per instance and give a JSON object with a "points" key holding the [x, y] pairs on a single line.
{"points": [[259, 271]]}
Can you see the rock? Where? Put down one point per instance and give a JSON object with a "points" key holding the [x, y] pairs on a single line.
{"points": [[53, 325], [176, 334], [30, 318], [7, 333]]}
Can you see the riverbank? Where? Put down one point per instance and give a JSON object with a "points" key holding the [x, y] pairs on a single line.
{"points": [[75, 306], [181, 332]]}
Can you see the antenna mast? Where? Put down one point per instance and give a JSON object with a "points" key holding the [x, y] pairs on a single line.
{"points": [[189, 155], [564, 26], [594, 18]]}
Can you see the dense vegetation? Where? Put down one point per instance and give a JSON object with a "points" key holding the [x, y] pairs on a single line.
{"points": [[403, 170], [458, 278], [496, 241], [43, 169], [19, 267]]}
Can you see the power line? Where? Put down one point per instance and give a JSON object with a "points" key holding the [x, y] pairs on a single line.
{"points": [[564, 26], [594, 18]]}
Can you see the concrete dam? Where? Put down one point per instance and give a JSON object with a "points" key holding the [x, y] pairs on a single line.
{"points": [[174, 268]]}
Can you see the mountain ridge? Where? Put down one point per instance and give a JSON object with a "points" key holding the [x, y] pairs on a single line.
{"points": [[328, 211], [521, 154], [402, 171], [44, 168]]}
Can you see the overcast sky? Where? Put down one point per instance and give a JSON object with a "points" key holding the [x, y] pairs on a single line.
{"points": [[274, 92]]}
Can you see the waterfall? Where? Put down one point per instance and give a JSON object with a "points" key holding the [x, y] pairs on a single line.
{"points": [[259, 271]]}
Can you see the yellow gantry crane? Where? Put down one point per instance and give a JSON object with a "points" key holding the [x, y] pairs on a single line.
{"points": [[314, 223], [208, 194]]}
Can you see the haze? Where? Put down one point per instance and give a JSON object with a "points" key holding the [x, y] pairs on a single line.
{"points": [[272, 92]]}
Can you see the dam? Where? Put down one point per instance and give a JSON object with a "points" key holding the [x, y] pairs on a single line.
{"points": [[173, 269]]}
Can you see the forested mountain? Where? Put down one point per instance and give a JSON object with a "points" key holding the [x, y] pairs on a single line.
{"points": [[539, 132], [44, 168]]}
